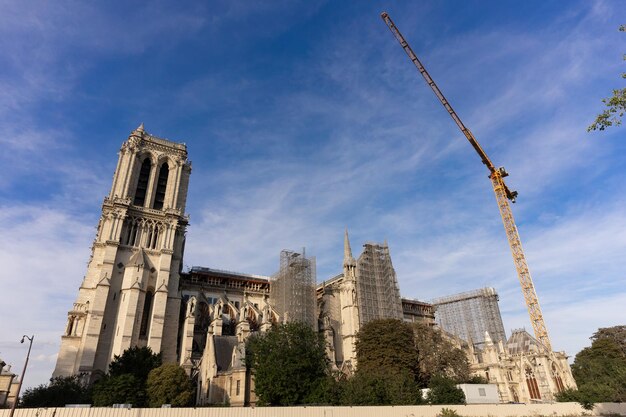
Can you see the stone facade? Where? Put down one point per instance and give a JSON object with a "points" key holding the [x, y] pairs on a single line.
{"points": [[222, 309], [522, 368], [130, 295]]}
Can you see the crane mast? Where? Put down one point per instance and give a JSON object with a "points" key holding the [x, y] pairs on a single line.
{"points": [[502, 192]]}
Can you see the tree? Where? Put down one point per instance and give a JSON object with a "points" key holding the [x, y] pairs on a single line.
{"points": [[443, 390], [615, 333], [387, 346], [600, 371], [121, 389], [379, 388], [289, 364], [169, 384], [616, 106], [126, 380], [438, 356], [135, 361], [58, 392], [387, 366]]}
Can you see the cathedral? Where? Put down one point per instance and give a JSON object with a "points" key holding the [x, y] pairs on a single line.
{"points": [[135, 293]]}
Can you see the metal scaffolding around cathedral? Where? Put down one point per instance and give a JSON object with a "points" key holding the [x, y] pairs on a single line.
{"points": [[470, 314], [292, 291], [377, 286]]}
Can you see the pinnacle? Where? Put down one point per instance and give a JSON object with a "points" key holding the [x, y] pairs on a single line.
{"points": [[347, 251]]}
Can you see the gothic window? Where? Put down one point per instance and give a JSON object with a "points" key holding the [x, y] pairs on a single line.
{"points": [[70, 325], [203, 318], [531, 382], [147, 313], [159, 197], [557, 379], [153, 236], [142, 183], [131, 234]]}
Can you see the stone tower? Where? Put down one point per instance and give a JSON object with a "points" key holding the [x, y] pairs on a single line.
{"points": [[349, 305], [129, 296]]}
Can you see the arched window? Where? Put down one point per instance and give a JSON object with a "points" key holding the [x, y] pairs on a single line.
{"points": [[147, 313], [159, 196], [557, 379], [531, 382], [142, 183]]}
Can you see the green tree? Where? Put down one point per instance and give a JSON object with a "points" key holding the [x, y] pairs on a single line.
{"points": [[387, 366], [616, 106], [387, 346], [126, 380], [137, 361], [379, 388], [615, 333], [169, 384], [289, 364], [438, 356], [58, 392], [443, 390], [121, 389], [600, 371]]}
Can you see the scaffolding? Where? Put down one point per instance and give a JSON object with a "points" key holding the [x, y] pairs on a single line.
{"points": [[377, 286], [292, 289], [470, 314]]}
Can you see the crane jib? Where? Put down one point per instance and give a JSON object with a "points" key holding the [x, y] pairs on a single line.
{"points": [[502, 192]]}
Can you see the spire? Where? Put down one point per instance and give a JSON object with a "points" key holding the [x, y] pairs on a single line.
{"points": [[140, 128], [347, 251]]}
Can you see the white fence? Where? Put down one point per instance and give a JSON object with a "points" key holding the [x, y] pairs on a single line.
{"points": [[473, 410]]}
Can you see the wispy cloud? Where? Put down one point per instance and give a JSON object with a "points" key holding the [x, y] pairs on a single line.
{"points": [[298, 128]]}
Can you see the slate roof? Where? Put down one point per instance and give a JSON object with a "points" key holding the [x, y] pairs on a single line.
{"points": [[224, 347]]}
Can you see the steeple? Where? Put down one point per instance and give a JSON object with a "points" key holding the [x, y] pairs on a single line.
{"points": [[348, 260]]}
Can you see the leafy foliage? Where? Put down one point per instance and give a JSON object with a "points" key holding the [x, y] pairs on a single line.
{"points": [[169, 384], [135, 361], [121, 389], [585, 398], [380, 388], [447, 412], [477, 379], [60, 391], [600, 370], [387, 346], [438, 356], [289, 364], [615, 333], [126, 381], [443, 390], [616, 106]]}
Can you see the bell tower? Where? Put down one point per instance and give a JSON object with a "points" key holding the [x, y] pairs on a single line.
{"points": [[129, 295]]}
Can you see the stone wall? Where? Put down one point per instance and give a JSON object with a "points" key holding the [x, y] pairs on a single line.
{"points": [[493, 410]]}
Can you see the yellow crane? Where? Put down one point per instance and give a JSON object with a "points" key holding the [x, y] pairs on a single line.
{"points": [[503, 195]]}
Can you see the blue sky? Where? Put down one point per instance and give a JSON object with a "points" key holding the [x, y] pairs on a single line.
{"points": [[303, 118]]}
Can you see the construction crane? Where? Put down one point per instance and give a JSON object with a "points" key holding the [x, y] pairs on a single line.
{"points": [[503, 195]]}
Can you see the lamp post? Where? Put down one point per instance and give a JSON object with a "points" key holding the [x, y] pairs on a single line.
{"points": [[19, 386]]}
